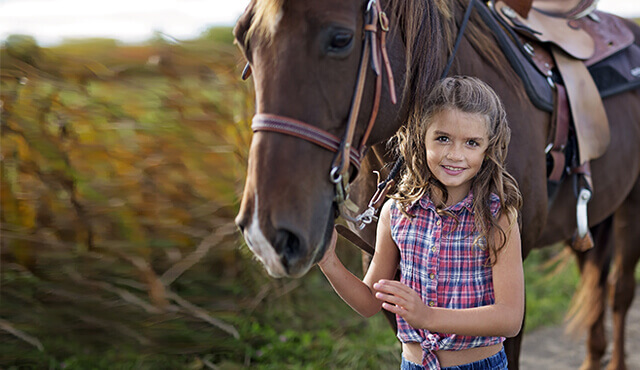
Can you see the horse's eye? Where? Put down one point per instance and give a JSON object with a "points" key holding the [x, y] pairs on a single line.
{"points": [[340, 41]]}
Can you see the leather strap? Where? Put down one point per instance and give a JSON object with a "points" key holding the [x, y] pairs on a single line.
{"points": [[561, 133], [355, 239], [589, 117], [289, 126], [522, 7]]}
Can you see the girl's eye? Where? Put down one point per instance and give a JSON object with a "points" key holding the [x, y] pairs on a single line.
{"points": [[442, 139], [472, 143]]}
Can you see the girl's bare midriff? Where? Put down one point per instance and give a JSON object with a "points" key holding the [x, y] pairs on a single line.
{"points": [[413, 352]]}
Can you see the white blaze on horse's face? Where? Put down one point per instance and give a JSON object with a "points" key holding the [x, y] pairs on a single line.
{"points": [[261, 247]]}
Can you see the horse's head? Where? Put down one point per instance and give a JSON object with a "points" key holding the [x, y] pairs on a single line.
{"points": [[304, 57]]}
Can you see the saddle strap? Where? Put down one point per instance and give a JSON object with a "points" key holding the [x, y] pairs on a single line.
{"points": [[589, 117], [522, 7], [560, 134]]}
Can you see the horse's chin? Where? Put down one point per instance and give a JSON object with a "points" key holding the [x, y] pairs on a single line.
{"points": [[278, 270]]}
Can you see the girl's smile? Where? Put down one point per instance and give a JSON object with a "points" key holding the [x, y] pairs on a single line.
{"points": [[453, 171], [456, 145]]}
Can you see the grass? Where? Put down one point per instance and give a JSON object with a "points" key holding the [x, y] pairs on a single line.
{"points": [[282, 324], [551, 277]]}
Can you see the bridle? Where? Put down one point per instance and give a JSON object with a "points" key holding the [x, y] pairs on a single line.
{"points": [[375, 28]]}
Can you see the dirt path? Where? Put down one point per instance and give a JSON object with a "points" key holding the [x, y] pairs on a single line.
{"points": [[550, 349]]}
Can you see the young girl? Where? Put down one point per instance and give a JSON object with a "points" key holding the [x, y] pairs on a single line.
{"points": [[452, 228]]}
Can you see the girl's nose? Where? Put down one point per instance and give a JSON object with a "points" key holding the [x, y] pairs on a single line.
{"points": [[454, 154]]}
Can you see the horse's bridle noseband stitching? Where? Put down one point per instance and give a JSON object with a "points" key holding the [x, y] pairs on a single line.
{"points": [[375, 48]]}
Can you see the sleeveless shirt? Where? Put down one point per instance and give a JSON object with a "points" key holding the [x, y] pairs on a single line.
{"points": [[439, 261]]}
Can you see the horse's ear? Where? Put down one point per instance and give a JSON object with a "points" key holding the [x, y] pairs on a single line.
{"points": [[240, 33], [243, 24], [246, 72]]}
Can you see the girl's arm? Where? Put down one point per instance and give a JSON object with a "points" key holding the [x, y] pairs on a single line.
{"points": [[359, 294], [503, 318]]}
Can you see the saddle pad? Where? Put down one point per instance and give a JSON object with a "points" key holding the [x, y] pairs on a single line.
{"points": [[618, 73], [536, 85]]}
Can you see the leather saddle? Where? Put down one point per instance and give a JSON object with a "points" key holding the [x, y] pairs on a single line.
{"points": [[553, 46], [567, 43]]}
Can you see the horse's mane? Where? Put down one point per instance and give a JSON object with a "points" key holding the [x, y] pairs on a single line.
{"points": [[427, 27]]}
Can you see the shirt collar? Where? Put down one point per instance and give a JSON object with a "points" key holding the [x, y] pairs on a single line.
{"points": [[426, 203]]}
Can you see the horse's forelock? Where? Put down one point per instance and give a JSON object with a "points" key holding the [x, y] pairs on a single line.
{"points": [[266, 14]]}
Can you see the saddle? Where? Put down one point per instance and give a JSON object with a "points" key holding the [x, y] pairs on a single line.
{"points": [[565, 52], [564, 37]]}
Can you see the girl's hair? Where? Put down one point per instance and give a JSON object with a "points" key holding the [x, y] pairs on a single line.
{"points": [[468, 95]]}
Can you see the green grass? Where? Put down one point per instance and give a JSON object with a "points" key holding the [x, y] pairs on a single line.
{"points": [[292, 324], [549, 286]]}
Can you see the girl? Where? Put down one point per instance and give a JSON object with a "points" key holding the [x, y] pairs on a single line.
{"points": [[452, 227]]}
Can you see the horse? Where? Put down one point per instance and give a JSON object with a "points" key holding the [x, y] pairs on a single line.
{"points": [[306, 59]]}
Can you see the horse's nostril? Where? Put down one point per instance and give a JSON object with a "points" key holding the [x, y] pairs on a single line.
{"points": [[287, 245]]}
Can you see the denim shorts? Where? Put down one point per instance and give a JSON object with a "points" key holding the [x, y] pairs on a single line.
{"points": [[495, 362]]}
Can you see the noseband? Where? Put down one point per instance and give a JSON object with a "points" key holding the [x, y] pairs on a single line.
{"points": [[375, 29]]}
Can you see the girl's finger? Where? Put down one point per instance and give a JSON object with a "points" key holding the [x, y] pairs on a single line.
{"points": [[393, 287], [393, 299], [398, 310]]}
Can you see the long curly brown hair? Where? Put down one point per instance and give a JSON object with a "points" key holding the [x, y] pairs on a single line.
{"points": [[468, 95]]}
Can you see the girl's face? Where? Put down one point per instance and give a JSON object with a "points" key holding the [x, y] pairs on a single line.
{"points": [[456, 143]]}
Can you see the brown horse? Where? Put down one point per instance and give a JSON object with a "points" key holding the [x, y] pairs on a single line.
{"points": [[305, 55]]}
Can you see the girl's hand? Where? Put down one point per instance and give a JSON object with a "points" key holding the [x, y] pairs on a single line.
{"points": [[403, 301], [331, 249]]}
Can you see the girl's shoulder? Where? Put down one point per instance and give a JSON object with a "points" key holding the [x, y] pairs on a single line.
{"points": [[393, 207]]}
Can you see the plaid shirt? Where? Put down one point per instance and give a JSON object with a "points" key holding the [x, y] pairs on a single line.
{"points": [[438, 261]]}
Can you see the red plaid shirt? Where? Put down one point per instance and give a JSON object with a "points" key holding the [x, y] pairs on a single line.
{"points": [[438, 260]]}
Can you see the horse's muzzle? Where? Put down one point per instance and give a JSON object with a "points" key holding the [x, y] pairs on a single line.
{"points": [[281, 251]]}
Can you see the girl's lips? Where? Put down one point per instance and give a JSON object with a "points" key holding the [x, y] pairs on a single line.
{"points": [[452, 170]]}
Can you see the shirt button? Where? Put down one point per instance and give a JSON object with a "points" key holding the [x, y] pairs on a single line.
{"points": [[432, 276], [433, 249], [438, 222], [432, 303]]}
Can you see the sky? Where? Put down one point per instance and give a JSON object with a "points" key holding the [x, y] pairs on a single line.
{"points": [[52, 21]]}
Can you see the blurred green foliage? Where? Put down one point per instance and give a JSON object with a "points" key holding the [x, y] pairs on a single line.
{"points": [[220, 35]]}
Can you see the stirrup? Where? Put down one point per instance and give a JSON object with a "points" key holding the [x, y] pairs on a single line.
{"points": [[582, 241], [581, 212]]}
